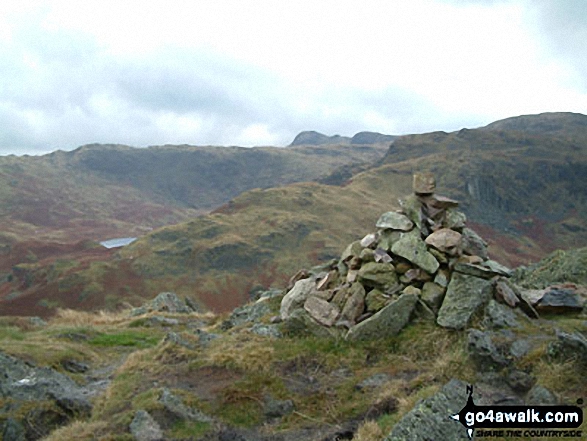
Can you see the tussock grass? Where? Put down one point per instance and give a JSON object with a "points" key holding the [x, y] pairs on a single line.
{"points": [[247, 352], [561, 377], [80, 431], [139, 361], [369, 431], [115, 404], [75, 318]]}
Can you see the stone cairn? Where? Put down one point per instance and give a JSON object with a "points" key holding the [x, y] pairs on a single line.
{"points": [[422, 260]]}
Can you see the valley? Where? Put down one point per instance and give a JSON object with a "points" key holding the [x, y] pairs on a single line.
{"points": [[522, 189]]}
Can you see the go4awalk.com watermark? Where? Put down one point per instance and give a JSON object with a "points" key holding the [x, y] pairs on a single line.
{"points": [[520, 421]]}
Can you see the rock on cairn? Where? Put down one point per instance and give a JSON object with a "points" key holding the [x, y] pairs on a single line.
{"points": [[421, 259]]}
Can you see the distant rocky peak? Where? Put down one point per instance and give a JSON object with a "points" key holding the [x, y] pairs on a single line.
{"points": [[316, 138], [371, 138]]}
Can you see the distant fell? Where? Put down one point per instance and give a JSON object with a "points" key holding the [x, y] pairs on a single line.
{"points": [[523, 191], [563, 124], [102, 191], [371, 138], [316, 138]]}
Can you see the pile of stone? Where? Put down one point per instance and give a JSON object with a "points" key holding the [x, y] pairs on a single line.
{"points": [[422, 259]]}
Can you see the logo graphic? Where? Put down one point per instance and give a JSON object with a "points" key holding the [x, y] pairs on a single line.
{"points": [[473, 417]]}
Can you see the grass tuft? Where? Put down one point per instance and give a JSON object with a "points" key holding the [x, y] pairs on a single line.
{"points": [[369, 431]]}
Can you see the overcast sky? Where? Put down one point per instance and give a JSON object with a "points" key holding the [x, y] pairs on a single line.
{"points": [[235, 72]]}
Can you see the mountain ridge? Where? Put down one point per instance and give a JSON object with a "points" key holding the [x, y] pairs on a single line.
{"points": [[511, 186]]}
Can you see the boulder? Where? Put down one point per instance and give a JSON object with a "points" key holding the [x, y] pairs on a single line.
{"points": [[355, 304], [473, 244], [376, 300], [412, 290], [442, 278], [299, 323], [328, 281], [410, 275], [341, 296], [432, 295], [442, 202], [446, 240], [533, 296], [369, 241], [164, 302], [413, 248], [352, 250], [380, 255], [483, 351], [367, 255], [520, 381], [144, 428], [249, 313], [378, 275], [320, 310], [387, 322], [438, 255], [454, 219], [486, 270], [355, 263], [394, 221], [296, 297], [560, 300], [263, 330], [424, 183], [430, 418], [175, 410], [569, 347], [541, 396], [412, 207], [301, 274], [387, 238], [505, 294], [500, 316], [465, 295], [351, 276]]}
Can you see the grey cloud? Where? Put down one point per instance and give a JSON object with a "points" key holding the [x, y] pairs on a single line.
{"points": [[61, 88], [183, 81], [563, 26]]}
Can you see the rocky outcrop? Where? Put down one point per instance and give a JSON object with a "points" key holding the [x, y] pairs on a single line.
{"points": [[38, 400], [429, 419], [166, 302]]}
